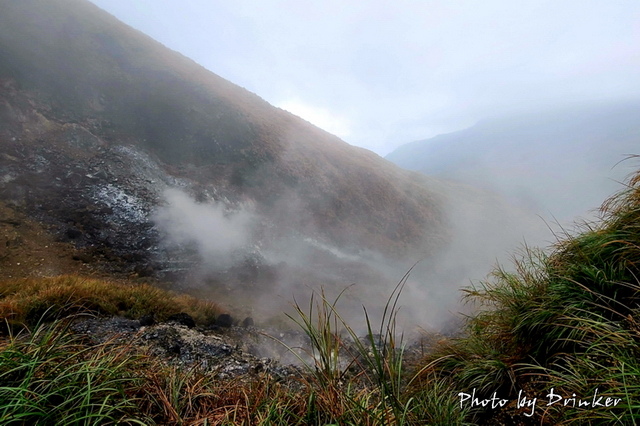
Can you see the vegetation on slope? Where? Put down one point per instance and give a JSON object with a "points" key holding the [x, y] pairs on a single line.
{"points": [[565, 320], [30, 300], [48, 377], [564, 323]]}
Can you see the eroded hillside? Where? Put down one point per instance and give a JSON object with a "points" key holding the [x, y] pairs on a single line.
{"points": [[114, 145]]}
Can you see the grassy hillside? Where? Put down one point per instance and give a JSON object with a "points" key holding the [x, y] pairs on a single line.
{"points": [[555, 342], [565, 320]]}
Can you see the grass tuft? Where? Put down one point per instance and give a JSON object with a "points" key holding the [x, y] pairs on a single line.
{"points": [[29, 300], [47, 377]]}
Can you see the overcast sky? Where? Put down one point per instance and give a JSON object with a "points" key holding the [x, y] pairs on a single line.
{"points": [[383, 73]]}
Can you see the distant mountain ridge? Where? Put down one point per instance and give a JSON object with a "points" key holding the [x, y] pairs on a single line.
{"points": [[558, 162]]}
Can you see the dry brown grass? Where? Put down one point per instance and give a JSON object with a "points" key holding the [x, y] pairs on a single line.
{"points": [[28, 299], [150, 391]]}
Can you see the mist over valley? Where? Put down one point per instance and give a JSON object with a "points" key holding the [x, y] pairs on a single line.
{"points": [[147, 165], [540, 160], [175, 249]]}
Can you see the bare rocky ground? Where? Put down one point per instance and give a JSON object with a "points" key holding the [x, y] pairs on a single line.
{"points": [[225, 352], [234, 352]]}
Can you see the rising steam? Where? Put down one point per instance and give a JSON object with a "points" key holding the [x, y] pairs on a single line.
{"points": [[484, 230], [212, 229]]}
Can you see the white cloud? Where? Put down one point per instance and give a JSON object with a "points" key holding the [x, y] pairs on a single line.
{"points": [[320, 117]]}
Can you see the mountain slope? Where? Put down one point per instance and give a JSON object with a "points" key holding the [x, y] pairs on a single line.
{"points": [[126, 88], [538, 158], [145, 163]]}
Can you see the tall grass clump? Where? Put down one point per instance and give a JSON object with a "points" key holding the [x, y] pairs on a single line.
{"points": [[355, 379], [47, 377], [563, 319]]}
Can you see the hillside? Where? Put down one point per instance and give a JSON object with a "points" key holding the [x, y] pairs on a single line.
{"points": [[153, 215], [554, 342], [537, 158], [144, 163]]}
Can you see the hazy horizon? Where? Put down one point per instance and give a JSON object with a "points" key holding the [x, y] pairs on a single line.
{"points": [[381, 75]]}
